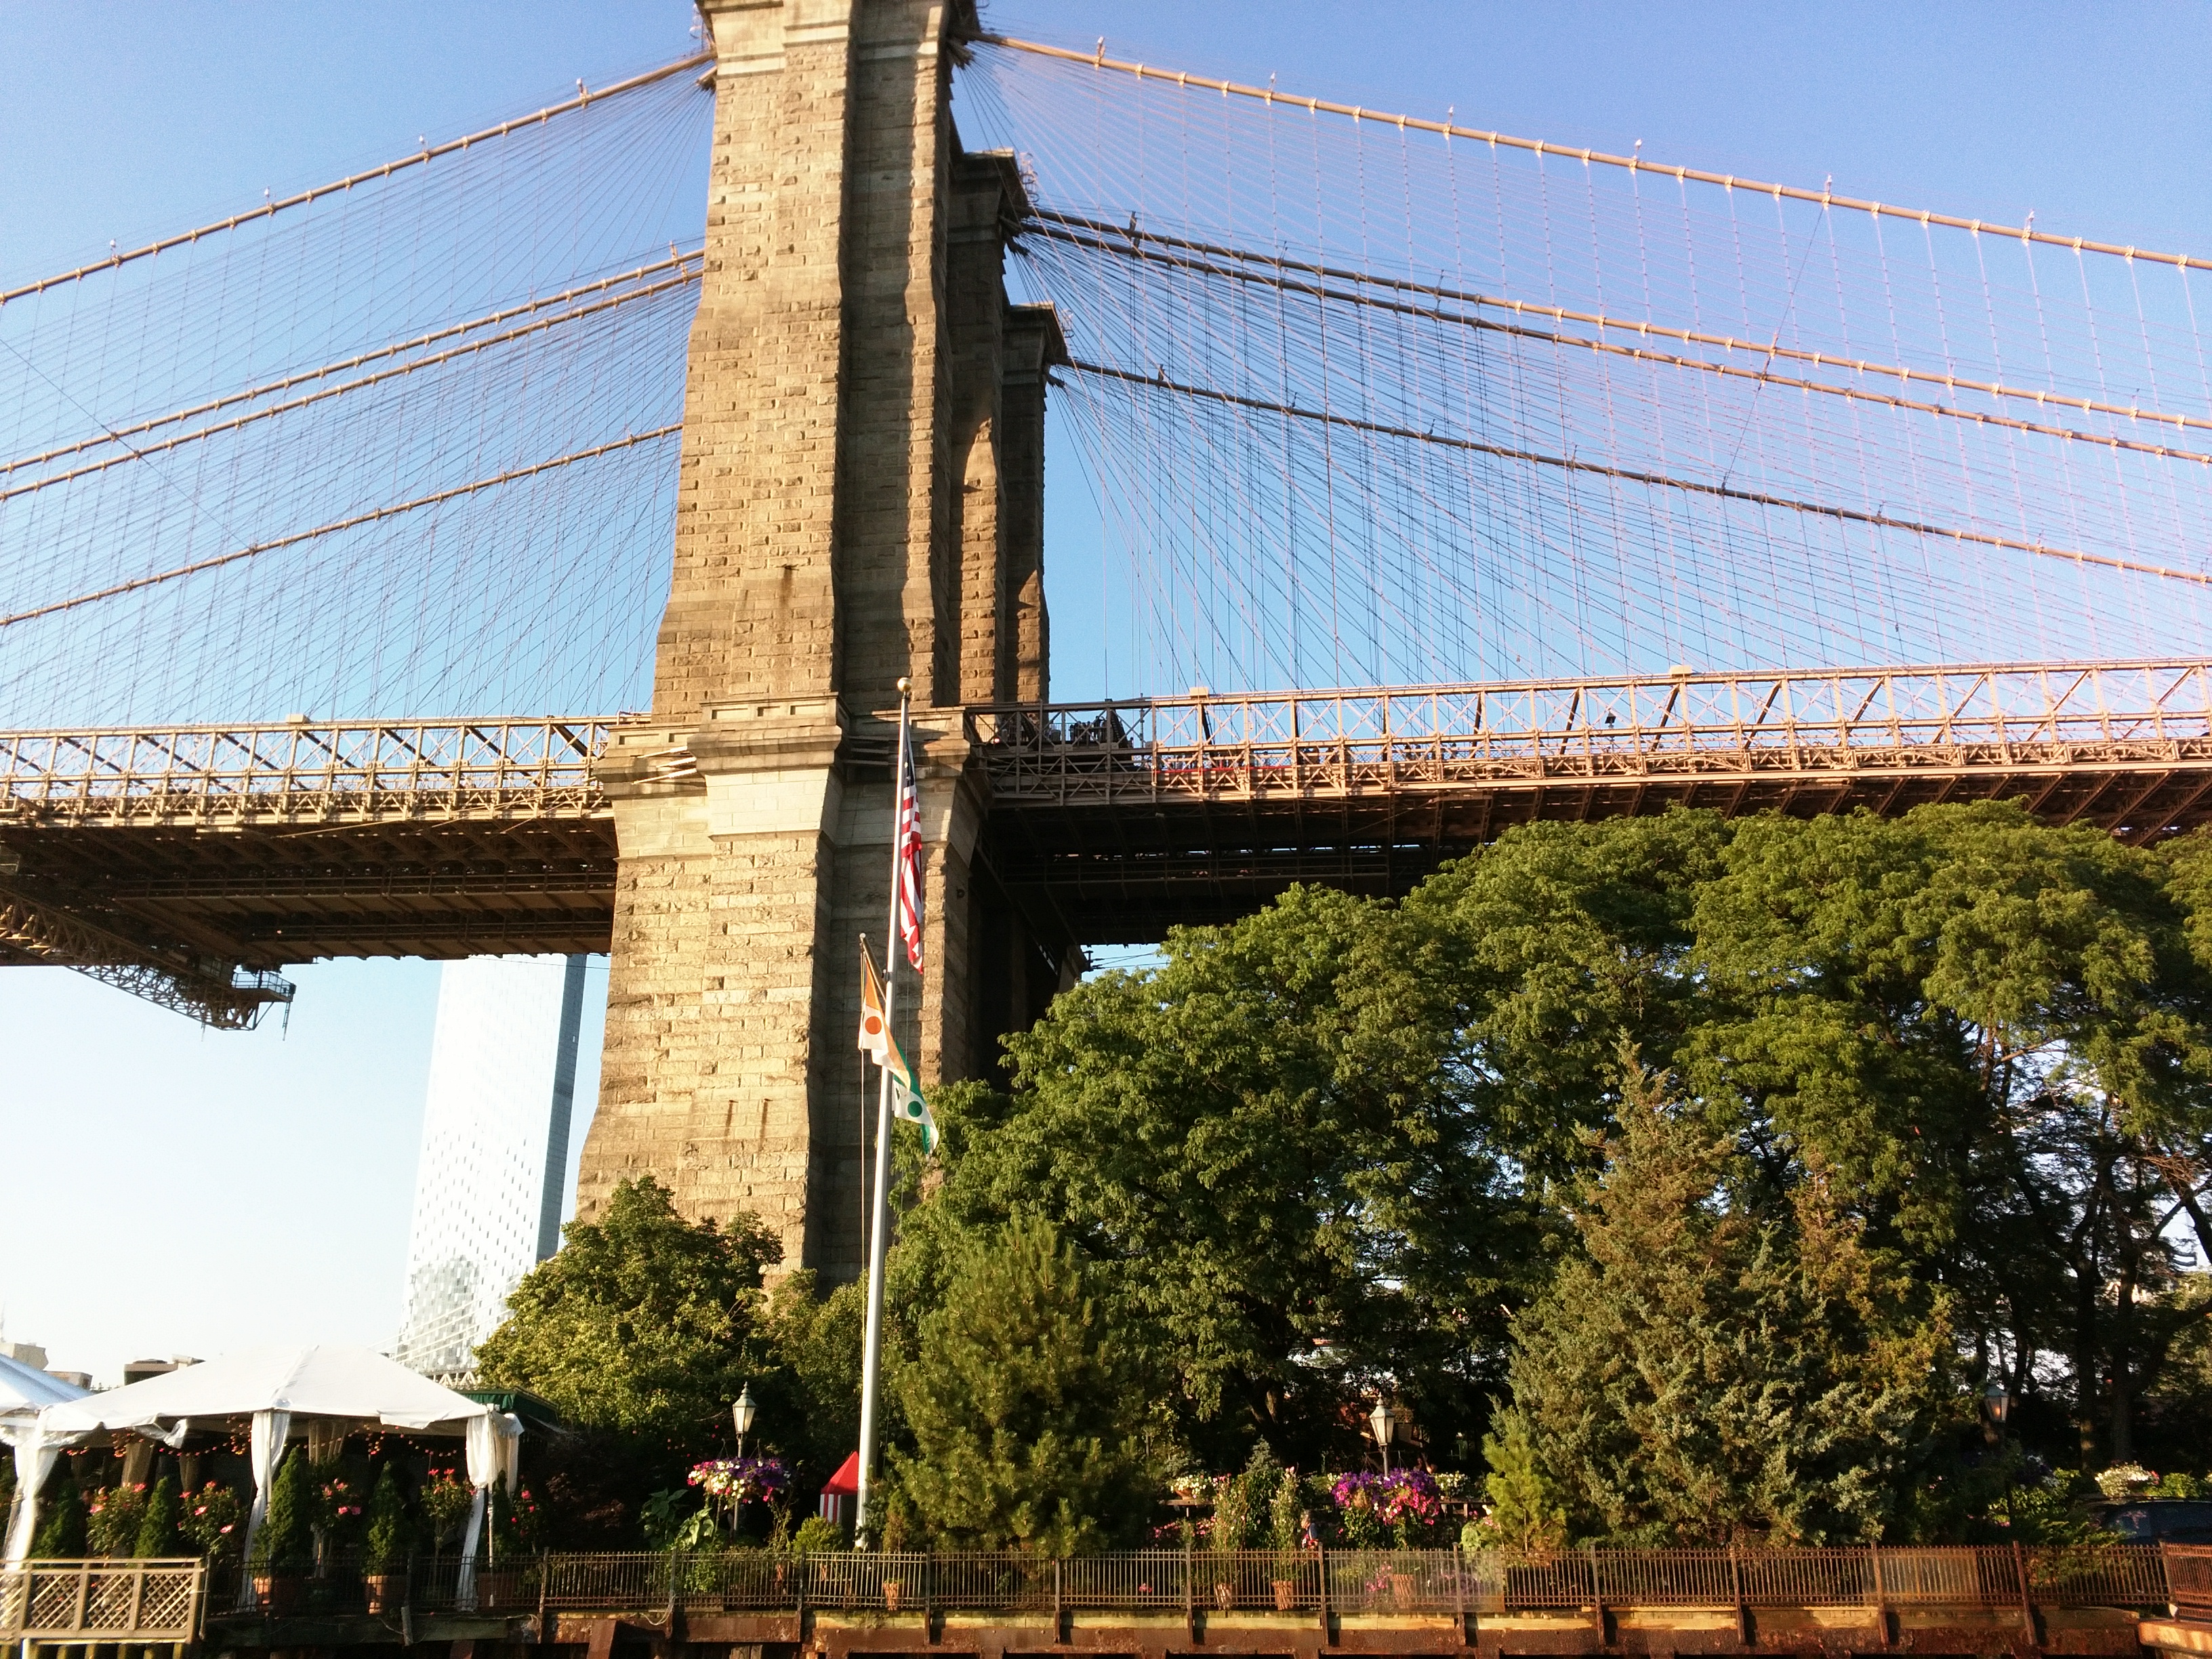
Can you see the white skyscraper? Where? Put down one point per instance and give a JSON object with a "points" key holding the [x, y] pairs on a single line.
{"points": [[495, 1157]]}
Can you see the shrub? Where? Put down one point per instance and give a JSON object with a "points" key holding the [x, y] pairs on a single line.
{"points": [[112, 1518], [388, 1529], [818, 1535], [157, 1531], [286, 1543], [61, 1532], [212, 1517]]}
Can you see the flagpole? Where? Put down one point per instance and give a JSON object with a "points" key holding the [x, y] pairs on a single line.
{"points": [[864, 1132], [871, 1354]]}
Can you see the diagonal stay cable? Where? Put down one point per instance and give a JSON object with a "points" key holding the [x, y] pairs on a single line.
{"points": [[1260, 276], [676, 261], [428, 153], [1120, 240], [483, 343], [1657, 480], [338, 524]]}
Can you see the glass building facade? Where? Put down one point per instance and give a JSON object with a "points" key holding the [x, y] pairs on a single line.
{"points": [[494, 1165]]}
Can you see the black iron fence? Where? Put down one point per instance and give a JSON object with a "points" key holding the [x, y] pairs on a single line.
{"points": [[1341, 1582]]}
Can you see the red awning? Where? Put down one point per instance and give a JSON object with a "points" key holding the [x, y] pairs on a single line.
{"points": [[846, 1483]]}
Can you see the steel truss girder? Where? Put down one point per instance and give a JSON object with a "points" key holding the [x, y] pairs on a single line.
{"points": [[231, 1000]]}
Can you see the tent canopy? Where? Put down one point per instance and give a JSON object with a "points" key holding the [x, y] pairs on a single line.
{"points": [[25, 1391], [329, 1381], [846, 1483]]}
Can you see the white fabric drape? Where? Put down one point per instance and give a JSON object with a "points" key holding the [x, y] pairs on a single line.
{"points": [[494, 1444], [34, 1462], [269, 1428]]}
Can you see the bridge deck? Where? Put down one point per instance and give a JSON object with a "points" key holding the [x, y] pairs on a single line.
{"points": [[178, 849]]}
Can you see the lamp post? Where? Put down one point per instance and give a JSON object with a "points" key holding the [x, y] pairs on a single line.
{"points": [[741, 1415], [1382, 1420], [1996, 1402]]}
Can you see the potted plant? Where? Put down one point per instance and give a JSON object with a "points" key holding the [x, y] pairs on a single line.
{"points": [[386, 1579], [445, 1500], [501, 1586], [283, 1549], [210, 1518], [61, 1525], [1286, 1530], [113, 1519], [894, 1543], [157, 1531]]}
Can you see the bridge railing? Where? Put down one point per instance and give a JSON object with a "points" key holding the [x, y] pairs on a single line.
{"points": [[1683, 722], [304, 770], [126, 1601]]}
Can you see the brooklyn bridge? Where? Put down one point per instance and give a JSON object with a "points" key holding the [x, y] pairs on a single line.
{"points": [[1452, 480]]}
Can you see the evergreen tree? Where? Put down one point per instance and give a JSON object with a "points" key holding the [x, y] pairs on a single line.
{"points": [[387, 1519], [1025, 1405], [157, 1529], [286, 1542], [61, 1523], [1699, 1375]]}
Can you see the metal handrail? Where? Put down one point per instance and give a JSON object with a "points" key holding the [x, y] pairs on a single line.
{"points": [[1440, 1583], [488, 769], [1263, 744]]}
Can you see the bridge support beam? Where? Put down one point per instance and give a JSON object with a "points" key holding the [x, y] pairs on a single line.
{"points": [[859, 502]]}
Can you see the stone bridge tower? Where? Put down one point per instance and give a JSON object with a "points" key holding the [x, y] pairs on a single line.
{"points": [[861, 500]]}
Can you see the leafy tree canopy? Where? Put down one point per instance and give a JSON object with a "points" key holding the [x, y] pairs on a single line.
{"points": [[644, 1330], [1334, 1145], [638, 1322]]}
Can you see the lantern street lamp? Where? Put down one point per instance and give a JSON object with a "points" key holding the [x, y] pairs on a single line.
{"points": [[1999, 1402], [1382, 1420], [741, 1415]]}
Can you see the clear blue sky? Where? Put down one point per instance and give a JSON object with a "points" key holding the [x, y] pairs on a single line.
{"points": [[166, 1189]]}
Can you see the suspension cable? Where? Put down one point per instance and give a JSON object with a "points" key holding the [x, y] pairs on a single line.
{"points": [[1632, 164], [300, 377], [1658, 480], [684, 277], [428, 153], [332, 528], [1121, 240]]}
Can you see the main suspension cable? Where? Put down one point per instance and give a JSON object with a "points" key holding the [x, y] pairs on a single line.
{"points": [[429, 153], [1632, 164]]}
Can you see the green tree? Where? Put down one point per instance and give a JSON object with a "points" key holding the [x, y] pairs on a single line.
{"points": [[157, 1529], [1696, 1373], [1993, 1033], [388, 1527], [1024, 1406], [1257, 1185], [644, 1330], [637, 1323], [286, 1543], [61, 1520], [639, 1331]]}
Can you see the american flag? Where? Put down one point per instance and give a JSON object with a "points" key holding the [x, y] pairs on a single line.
{"points": [[909, 858]]}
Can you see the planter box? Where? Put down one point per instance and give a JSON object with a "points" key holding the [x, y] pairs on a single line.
{"points": [[385, 1590]]}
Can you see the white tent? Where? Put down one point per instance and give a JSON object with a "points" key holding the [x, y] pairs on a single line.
{"points": [[25, 1391], [327, 1392]]}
